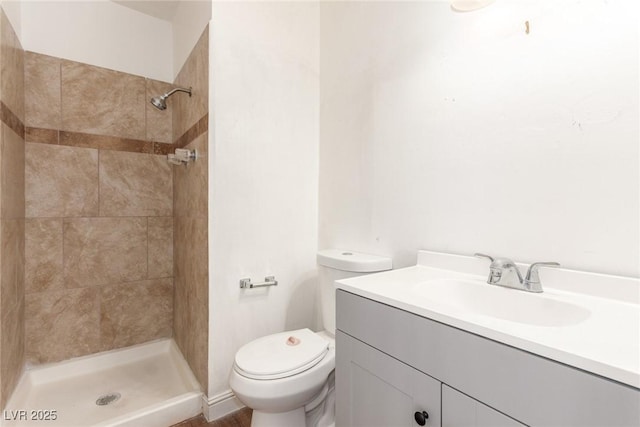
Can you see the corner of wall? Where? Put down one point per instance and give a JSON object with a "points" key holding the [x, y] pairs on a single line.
{"points": [[190, 20], [220, 405], [13, 11], [210, 200]]}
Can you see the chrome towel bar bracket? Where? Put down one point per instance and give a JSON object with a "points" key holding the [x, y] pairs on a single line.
{"points": [[268, 281]]}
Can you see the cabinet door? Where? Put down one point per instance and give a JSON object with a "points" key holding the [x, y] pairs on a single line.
{"points": [[459, 410], [376, 390]]}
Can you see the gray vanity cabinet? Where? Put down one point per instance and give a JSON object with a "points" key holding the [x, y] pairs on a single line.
{"points": [[459, 410], [378, 391], [391, 363]]}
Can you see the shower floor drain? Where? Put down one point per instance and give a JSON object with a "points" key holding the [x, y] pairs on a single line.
{"points": [[108, 399]]}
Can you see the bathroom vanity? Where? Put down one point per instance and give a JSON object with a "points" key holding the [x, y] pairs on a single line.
{"points": [[435, 345]]}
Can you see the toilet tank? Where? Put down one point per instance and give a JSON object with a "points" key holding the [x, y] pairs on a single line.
{"points": [[337, 264]]}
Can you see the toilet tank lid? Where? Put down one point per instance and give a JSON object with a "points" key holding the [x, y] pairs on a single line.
{"points": [[356, 262]]}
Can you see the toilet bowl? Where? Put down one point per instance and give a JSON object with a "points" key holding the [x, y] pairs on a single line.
{"points": [[280, 394], [288, 378]]}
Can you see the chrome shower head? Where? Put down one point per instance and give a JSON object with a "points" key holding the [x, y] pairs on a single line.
{"points": [[160, 102]]}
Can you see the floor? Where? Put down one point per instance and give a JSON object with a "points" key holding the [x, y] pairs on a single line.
{"points": [[241, 418]]}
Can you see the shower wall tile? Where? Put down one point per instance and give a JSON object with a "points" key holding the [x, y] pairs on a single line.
{"points": [[100, 101], [191, 257], [12, 69], [191, 226], [134, 184], [160, 235], [191, 199], [12, 350], [99, 239], [101, 142], [199, 337], [12, 171], [191, 274], [159, 123], [194, 73], [193, 132], [11, 120], [180, 319], [191, 326], [42, 91], [132, 313], [12, 264], [44, 136], [102, 251], [61, 181], [12, 158], [62, 324], [163, 149], [43, 255]]}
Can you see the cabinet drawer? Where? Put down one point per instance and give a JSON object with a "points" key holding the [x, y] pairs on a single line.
{"points": [[376, 390], [459, 410]]}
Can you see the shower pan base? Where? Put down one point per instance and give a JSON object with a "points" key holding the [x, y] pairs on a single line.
{"points": [[144, 385]]}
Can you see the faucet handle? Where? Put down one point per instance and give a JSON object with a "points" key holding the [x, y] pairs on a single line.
{"points": [[479, 255], [532, 279]]}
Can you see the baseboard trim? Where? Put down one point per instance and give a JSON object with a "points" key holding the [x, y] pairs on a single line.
{"points": [[220, 405]]}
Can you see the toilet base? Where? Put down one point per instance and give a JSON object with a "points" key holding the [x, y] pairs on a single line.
{"points": [[295, 418]]}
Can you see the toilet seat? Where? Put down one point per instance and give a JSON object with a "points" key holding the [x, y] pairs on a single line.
{"points": [[280, 355]]}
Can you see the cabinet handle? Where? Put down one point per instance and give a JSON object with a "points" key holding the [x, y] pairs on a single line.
{"points": [[421, 417]]}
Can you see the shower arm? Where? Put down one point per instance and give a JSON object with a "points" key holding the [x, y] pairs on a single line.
{"points": [[178, 89]]}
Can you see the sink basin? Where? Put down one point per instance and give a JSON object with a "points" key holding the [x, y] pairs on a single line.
{"points": [[513, 305]]}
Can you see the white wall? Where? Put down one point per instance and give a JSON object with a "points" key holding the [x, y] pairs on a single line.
{"points": [[461, 133], [100, 33], [263, 173], [188, 23]]}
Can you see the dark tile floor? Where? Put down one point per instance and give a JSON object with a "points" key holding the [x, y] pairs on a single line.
{"points": [[241, 418]]}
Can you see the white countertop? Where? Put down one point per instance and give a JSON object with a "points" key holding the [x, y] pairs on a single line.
{"points": [[605, 340]]}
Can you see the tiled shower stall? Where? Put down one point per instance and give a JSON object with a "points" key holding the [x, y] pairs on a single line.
{"points": [[104, 243]]}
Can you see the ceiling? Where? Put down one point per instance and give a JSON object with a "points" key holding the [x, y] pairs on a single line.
{"points": [[162, 9]]}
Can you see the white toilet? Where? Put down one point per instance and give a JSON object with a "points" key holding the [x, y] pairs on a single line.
{"points": [[287, 378]]}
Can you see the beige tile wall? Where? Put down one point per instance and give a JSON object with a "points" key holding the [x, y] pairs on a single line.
{"points": [[61, 181], [62, 324], [79, 98], [195, 74], [99, 228], [133, 184], [135, 312], [42, 91], [101, 211], [114, 252], [12, 210], [191, 296], [102, 102]]}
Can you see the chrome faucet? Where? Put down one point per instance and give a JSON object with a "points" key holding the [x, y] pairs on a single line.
{"points": [[504, 272]]}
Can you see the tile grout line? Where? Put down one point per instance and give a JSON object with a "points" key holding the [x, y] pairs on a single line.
{"points": [[99, 205], [146, 121], [60, 93], [99, 290], [147, 275]]}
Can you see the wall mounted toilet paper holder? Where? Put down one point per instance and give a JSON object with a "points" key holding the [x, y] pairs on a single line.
{"points": [[268, 281]]}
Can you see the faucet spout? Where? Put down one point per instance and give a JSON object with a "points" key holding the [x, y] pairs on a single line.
{"points": [[504, 272]]}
